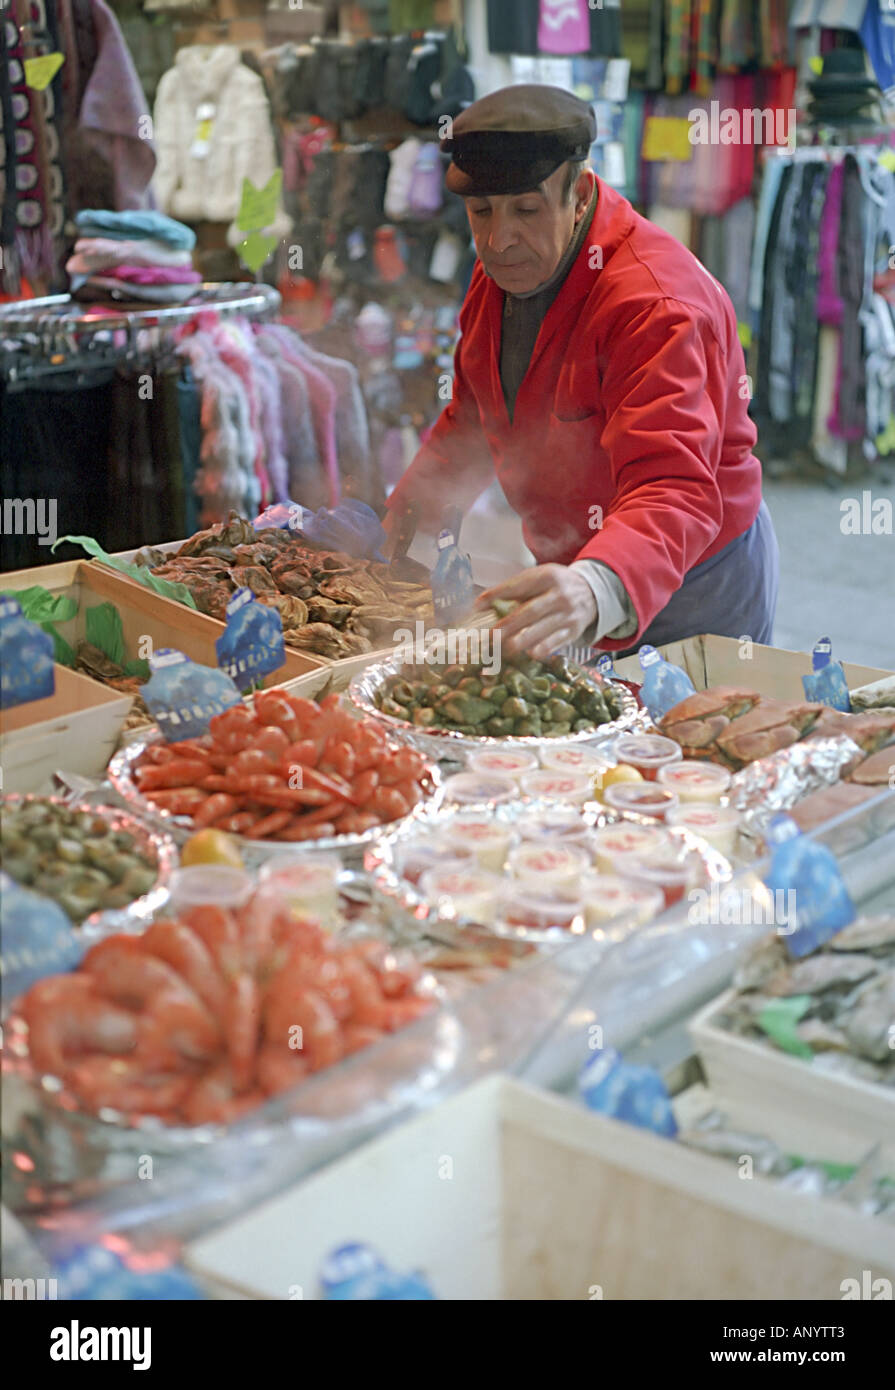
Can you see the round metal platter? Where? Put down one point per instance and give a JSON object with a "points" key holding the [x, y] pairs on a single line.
{"points": [[152, 842], [256, 852], [380, 860], [451, 745]]}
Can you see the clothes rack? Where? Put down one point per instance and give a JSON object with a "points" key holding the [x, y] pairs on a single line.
{"points": [[56, 334]]}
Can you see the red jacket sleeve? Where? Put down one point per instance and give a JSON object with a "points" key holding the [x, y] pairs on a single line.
{"points": [[664, 390], [455, 464]]}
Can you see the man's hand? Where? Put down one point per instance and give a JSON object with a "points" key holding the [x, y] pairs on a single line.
{"points": [[555, 606]]}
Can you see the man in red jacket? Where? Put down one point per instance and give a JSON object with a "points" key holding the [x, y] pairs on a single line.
{"points": [[600, 376]]}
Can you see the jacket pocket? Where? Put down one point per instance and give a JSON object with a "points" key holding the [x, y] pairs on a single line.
{"points": [[574, 446]]}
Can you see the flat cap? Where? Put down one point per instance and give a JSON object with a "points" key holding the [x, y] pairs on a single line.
{"points": [[514, 139]]}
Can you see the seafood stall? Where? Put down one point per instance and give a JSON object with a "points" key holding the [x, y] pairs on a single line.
{"points": [[286, 936]]}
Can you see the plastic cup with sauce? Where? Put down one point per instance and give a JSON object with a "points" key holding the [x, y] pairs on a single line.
{"points": [[643, 798], [695, 781], [613, 842], [575, 787], [469, 788], [523, 905], [549, 867], [307, 883], [414, 858], [504, 762], [486, 839], [562, 823], [609, 898], [717, 824], [468, 892], [573, 758], [647, 752], [670, 869], [209, 885]]}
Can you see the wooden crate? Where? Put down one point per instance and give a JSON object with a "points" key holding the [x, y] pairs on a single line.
{"points": [[505, 1192], [710, 660], [144, 614], [76, 729]]}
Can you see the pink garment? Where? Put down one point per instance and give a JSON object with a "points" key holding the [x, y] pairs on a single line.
{"points": [[137, 294], [99, 252], [307, 481], [225, 480], [234, 353], [323, 402], [153, 275], [114, 115], [271, 424], [564, 27]]}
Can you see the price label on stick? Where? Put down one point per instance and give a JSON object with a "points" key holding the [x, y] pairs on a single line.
{"points": [[258, 206], [39, 72]]}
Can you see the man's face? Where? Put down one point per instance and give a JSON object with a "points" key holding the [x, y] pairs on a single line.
{"points": [[521, 238]]}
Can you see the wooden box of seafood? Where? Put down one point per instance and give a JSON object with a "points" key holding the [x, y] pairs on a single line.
{"points": [[104, 625], [545, 1201], [76, 728], [333, 605], [804, 1050]]}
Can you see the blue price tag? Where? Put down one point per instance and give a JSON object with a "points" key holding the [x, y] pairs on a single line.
{"points": [[252, 645]]}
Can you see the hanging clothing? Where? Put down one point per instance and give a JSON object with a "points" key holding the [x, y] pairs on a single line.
{"points": [[563, 27], [34, 181], [306, 475], [110, 159], [54, 443], [204, 158]]}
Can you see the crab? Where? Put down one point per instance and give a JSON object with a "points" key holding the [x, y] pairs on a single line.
{"points": [[695, 723], [876, 771], [769, 726]]}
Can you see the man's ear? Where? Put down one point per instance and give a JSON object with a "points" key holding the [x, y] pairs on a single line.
{"points": [[583, 192]]}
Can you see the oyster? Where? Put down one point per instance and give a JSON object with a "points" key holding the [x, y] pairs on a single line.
{"points": [[765, 958], [821, 972], [865, 934], [870, 1023], [332, 604]]}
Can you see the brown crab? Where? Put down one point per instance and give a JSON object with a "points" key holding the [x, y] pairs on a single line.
{"points": [[876, 771], [695, 723], [769, 726]]}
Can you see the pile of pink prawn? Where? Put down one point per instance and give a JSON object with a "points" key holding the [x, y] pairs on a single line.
{"points": [[199, 1020]]}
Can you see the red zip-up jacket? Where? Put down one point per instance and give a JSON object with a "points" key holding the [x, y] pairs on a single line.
{"points": [[630, 441]]}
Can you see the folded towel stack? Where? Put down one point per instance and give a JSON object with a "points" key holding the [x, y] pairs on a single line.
{"points": [[133, 257]]}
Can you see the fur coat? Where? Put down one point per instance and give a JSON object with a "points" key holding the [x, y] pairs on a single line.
{"points": [[199, 181]]}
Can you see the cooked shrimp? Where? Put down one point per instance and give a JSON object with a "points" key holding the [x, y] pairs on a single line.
{"points": [[360, 1035], [181, 948], [213, 1100], [122, 971], [396, 971], [280, 1068], [368, 1005], [242, 1029], [65, 1016], [175, 1028], [219, 930], [324, 975], [122, 1083], [290, 1005]]}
